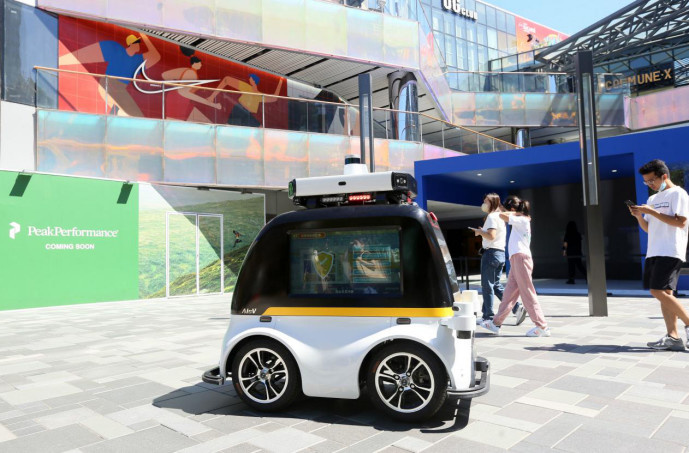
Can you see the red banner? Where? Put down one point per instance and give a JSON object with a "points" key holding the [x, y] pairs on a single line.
{"points": [[531, 35]]}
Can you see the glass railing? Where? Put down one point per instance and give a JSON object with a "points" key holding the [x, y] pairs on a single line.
{"points": [[125, 97], [406, 9], [515, 62], [531, 82]]}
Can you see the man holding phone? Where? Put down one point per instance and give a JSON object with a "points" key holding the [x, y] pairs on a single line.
{"points": [[664, 218]]}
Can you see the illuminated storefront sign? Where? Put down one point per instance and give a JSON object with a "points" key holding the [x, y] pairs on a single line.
{"points": [[646, 78], [456, 7]]}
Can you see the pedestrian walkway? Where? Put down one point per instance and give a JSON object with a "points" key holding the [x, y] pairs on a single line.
{"points": [[558, 287], [125, 377]]}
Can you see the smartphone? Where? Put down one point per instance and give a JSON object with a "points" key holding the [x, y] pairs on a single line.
{"points": [[630, 203]]}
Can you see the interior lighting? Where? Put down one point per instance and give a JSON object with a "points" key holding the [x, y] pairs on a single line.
{"points": [[479, 174], [614, 171], [511, 182]]}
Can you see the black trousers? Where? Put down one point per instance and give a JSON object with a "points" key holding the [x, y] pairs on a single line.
{"points": [[574, 263]]}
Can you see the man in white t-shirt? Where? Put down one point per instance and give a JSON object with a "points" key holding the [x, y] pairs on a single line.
{"points": [[664, 218]]}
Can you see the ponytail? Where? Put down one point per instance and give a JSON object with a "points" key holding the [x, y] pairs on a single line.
{"points": [[523, 207]]}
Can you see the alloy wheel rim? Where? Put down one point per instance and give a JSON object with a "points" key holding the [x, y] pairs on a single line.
{"points": [[263, 375], [404, 382]]}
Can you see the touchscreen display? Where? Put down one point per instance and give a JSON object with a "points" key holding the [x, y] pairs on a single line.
{"points": [[345, 262]]}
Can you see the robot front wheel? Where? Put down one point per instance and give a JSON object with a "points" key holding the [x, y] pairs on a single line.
{"points": [[265, 375], [407, 382]]}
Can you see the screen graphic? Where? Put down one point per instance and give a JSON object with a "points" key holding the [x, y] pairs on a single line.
{"points": [[345, 262]]}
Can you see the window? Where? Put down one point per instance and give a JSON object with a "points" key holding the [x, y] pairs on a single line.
{"points": [[490, 16], [462, 54], [471, 31], [492, 38], [472, 56], [481, 35], [482, 52], [510, 26], [440, 41], [450, 51], [511, 44], [438, 20], [460, 29], [30, 39], [502, 41], [345, 262], [481, 11], [500, 20], [449, 23]]}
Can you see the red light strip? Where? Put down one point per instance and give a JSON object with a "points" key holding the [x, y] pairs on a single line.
{"points": [[364, 197]]}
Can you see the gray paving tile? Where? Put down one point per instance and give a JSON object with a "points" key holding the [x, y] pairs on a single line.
{"points": [[526, 371], [674, 430], [642, 419], [137, 348], [453, 444], [588, 440], [285, 440], [232, 423], [197, 403], [595, 402], [393, 449], [597, 387], [527, 447], [101, 406], [346, 434], [327, 446], [555, 430], [28, 430], [154, 440], [372, 443], [533, 414], [148, 390], [502, 396], [242, 448], [56, 440]]}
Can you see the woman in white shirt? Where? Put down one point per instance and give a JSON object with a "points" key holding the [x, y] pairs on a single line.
{"points": [[519, 282], [493, 235]]}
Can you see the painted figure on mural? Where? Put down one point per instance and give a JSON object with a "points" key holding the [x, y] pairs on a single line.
{"points": [[179, 102], [122, 62], [244, 111]]}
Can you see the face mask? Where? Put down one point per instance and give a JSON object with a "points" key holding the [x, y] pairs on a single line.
{"points": [[485, 207], [662, 186]]}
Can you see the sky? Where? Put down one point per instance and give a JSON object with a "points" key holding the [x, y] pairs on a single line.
{"points": [[567, 17]]}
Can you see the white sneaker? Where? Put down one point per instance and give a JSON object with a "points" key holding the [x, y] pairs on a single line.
{"points": [[538, 332], [521, 314], [686, 330], [488, 324]]}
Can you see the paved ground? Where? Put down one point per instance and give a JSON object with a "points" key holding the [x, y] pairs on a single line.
{"points": [[124, 377]]}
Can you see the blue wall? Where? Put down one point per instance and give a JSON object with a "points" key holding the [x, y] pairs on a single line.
{"points": [[457, 180]]}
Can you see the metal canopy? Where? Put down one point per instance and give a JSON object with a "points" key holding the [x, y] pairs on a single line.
{"points": [[639, 28], [335, 75]]}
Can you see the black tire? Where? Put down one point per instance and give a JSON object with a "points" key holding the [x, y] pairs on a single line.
{"points": [[407, 382], [265, 375]]}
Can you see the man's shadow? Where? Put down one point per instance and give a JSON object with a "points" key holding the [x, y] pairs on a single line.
{"points": [[592, 349]]}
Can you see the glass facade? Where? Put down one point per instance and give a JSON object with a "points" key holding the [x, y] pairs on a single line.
{"points": [[468, 44], [29, 38]]}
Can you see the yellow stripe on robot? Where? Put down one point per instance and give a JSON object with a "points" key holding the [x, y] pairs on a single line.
{"points": [[360, 311]]}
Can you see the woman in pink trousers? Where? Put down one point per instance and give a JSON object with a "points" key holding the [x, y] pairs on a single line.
{"points": [[519, 282]]}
